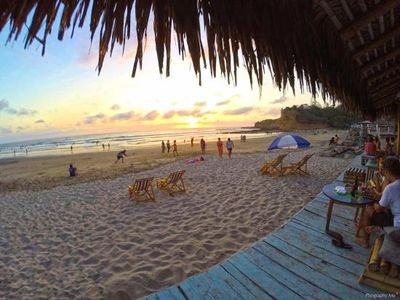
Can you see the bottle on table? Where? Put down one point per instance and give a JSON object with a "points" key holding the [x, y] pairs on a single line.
{"points": [[355, 187]]}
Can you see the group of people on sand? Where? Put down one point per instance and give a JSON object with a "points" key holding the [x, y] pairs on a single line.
{"points": [[334, 140], [167, 146], [386, 211], [374, 147], [120, 157], [229, 147]]}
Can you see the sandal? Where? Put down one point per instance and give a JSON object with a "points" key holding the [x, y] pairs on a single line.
{"points": [[341, 244]]}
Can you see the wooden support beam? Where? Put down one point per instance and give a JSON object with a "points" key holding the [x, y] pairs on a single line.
{"points": [[377, 85], [384, 96], [389, 35], [388, 91], [385, 101], [359, 23], [331, 14], [371, 64], [385, 85], [390, 70], [347, 9], [398, 129]]}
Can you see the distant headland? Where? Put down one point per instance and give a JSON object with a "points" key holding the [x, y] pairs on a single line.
{"points": [[305, 117]]}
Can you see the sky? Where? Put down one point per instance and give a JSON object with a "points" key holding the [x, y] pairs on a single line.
{"points": [[61, 93]]}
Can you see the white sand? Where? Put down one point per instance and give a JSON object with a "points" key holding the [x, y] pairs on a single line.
{"points": [[90, 241]]}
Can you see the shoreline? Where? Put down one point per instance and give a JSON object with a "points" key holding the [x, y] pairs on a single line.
{"points": [[43, 173]]}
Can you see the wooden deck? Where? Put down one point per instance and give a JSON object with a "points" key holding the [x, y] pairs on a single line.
{"points": [[296, 261]]}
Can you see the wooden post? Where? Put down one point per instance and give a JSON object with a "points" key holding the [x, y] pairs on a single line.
{"points": [[398, 129]]}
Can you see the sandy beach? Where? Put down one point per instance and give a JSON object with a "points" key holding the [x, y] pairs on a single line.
{"points": [[86, 239], [38, 173]]}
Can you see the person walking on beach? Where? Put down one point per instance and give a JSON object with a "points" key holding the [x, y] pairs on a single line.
{"points": [[104, 147], [120, 156], [203, 146], [72, 171], [168, 146], [108, 146], [229, 147], [175, 149], [220, 147], [192, 142], [162, 147]]}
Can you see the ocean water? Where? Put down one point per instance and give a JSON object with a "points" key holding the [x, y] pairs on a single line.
{"points": [[118, 141]]}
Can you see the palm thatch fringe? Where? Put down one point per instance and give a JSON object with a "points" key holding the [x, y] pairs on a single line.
{"points": [[286, 36]]}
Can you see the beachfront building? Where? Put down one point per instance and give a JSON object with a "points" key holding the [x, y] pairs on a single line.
{"points": [[380, 128]]}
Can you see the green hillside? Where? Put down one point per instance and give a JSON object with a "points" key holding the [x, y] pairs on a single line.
{"points": [[309, 117]]}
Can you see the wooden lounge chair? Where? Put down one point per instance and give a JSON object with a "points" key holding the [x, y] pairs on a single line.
{"points": [[142, 189], [299, 167], [173, 183], [274, 166]]}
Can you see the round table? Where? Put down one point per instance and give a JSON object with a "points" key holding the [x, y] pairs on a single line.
{"points": [[346, 200]]}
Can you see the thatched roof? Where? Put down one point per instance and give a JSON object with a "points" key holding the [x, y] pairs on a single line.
{"points": [[347, 50]]}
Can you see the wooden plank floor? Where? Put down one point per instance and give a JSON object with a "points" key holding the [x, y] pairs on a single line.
{"points": [[296, 261]]}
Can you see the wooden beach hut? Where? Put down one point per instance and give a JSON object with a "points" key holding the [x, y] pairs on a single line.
{"points": [[348, 51], [345, 50]]}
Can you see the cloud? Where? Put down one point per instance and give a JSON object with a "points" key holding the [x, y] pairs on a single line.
{"points": [[229, 100], [200, 104], [4, 130], [169, 114], [5, 106], [123, 116], [239, 111], [151, 115], [21, 111], [94, 118], [225, 102], [39, 121], [20, 128], [115, 107], [281, 99], [183, 113]]}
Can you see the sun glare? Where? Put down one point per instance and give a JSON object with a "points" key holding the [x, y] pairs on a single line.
{"points": [[192, 122]]}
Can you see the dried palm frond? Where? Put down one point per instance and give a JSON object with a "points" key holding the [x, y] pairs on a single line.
{"points": [[288, 37]]}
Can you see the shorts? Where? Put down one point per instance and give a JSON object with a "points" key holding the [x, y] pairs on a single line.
{"points": [[119, 157], [382, 219]]}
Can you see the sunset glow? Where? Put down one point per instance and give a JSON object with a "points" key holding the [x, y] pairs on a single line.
{"points": [[62, 94]]}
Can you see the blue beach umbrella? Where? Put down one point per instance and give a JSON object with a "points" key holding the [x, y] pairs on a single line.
{"points": [[289, 141]]}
